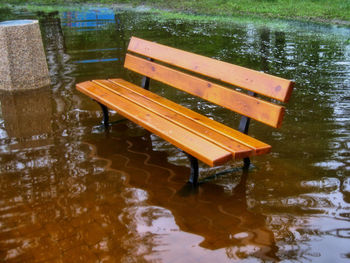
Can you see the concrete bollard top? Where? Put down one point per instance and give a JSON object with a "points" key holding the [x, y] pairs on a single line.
{"points": [[22, 58], [18, 22]]}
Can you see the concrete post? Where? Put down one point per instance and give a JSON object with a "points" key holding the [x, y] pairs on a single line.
{"points": [[22, 58]]}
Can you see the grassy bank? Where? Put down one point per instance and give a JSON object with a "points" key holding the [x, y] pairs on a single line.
{"points": [[317, 10]]}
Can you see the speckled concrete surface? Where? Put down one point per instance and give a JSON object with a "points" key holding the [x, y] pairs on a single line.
{"points": [[22, 58]]}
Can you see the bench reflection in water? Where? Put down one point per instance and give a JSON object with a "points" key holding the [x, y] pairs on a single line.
{"points": [[221, 217]]}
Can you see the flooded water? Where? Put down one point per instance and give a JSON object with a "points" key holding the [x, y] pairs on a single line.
{"points": [[71, 192]]}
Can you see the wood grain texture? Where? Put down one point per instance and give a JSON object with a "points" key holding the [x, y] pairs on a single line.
{"points": [[237, 149], [189, 142], [261, 83], [260, 110], [257, 146]]}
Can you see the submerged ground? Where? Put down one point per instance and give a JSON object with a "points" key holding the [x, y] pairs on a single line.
{"points": [[71, 192]]}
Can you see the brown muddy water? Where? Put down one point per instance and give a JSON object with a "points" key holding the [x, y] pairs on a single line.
{"points": [[71, 192]]}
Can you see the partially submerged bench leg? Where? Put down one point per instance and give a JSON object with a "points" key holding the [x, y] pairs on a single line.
{"points": [[194, 170], [246, 163], [244, 127], [105, 114]]}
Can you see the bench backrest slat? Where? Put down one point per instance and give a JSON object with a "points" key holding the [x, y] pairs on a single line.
{"points": [[261, 83], [263, 111]]}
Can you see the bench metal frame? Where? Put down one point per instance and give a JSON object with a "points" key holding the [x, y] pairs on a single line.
{"points": [[194, 164]]}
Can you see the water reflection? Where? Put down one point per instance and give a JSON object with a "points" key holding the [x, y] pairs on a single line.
{"points": [[69, 192], [27, 117], [96, 37], [222, 219]]}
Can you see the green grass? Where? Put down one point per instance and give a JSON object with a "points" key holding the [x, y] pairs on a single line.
{"points": [[305, 9], [319, 10]]}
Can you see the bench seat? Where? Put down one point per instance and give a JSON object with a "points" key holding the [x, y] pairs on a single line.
{"points": [[205, 139]]}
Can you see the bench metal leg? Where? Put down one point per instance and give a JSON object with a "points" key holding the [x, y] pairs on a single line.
{"points": [[246, 163], [194, 170], [105, 115], [146, 80], [244, 127]]}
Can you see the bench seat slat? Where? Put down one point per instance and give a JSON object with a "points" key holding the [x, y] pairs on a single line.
{"points": [[189, 142], [257, 146], [238, 150], [262, 83], [263, 111]]}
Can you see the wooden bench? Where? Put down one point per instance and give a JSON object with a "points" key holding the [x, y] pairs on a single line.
{"points": [[201, 138]]}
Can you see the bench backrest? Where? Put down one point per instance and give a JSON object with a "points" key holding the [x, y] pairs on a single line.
{"points": [[244, 104]]}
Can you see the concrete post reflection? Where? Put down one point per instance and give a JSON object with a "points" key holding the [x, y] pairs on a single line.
{"points": [[27, 114]]}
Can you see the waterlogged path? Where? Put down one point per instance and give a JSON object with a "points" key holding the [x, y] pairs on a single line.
{"points": [[69, 192]]}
